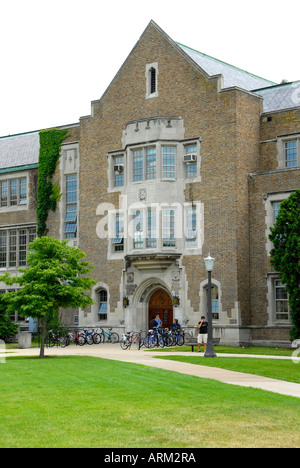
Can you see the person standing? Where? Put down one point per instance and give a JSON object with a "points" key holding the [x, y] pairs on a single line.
{"points": [[202, 335]]}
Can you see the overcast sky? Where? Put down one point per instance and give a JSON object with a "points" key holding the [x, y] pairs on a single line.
{"points": [[59, 55]]}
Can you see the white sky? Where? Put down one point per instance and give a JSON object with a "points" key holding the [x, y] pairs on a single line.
{"points": [[59, 55]]}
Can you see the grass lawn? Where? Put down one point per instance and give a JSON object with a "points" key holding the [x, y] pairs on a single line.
{"points": [[91, 402], [272, 368], [258, 350]]}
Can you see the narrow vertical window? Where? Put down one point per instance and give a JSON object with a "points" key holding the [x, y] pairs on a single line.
{"points": [[138, 242], [3, 188], [151, 163], [168, 228], [168, 163], [138, 165], [119, 238], [151, 228], [103, 305], [291, 153], [152, 80], [13, 186], [281, 301], [191, 227], [119, 171], [3, 249], [71, 207]]}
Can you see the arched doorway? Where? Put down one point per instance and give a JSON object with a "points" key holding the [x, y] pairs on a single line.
{"points": [[161, 303]]}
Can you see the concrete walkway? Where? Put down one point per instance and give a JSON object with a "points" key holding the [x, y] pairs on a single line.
{"points": [[146, 358]]}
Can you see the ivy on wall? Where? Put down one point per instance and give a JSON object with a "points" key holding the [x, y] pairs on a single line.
{"points": [[48, 194]]}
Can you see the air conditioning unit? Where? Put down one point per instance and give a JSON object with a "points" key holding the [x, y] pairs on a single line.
{"points": [[188, 158], [119, 168]]}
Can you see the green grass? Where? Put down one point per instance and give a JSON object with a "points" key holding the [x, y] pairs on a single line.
{"points": [[272, 368], [92, 402], [258, 350]]}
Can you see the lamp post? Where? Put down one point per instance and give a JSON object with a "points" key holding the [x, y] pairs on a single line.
{"points": [[210, 352]]}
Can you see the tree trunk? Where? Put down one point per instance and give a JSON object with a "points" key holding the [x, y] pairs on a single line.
{"points": [[43, 333]]}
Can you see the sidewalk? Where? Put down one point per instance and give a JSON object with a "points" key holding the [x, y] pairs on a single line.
{"points": [[146, 358]]}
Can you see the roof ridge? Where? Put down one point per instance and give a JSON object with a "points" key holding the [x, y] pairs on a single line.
{"points": [[226, 63]]}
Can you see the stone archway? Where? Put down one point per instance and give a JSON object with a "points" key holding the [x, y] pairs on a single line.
{"points": [[161, 303]]}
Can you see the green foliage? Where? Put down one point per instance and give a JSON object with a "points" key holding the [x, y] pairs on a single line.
{"points": [[55, 278], [7, 327], [286, 254], [48, 194]]}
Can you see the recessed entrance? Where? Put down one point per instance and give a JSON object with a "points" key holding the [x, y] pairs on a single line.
{"points": [[161, 303]]}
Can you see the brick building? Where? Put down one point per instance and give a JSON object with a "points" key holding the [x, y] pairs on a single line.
{"points": [[183, 155]]}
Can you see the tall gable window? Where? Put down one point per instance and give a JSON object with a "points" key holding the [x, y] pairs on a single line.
{"points": [[152, 80]]}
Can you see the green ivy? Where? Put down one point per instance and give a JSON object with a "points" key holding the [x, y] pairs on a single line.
{"points": [[48, 193]]}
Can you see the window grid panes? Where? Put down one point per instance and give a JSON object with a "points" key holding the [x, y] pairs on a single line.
{"points": [[191, 227], [151, 163], [281, 301], [103, 305], [14, 246], [291, 153], [168, 228], [13, 188], [119, 176], [151, 228], [138, 165], [276, 208], [71, 207], [138, 242], [168, 162], [119, 239]]}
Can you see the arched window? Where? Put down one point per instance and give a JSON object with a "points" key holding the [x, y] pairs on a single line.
{"points": [[103, 304]]}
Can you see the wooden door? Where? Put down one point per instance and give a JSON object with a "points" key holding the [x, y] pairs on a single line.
{"points": [[161, 303]]}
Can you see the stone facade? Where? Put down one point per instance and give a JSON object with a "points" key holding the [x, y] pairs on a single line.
{"points": [[170, 166]]}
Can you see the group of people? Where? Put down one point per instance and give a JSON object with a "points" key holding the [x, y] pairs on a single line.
{"points": [[156, 322]]}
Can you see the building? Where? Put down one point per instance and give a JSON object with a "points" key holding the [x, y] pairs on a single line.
{"points": [[182, 156]]}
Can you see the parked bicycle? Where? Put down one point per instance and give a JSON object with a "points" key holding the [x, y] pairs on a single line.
{"points": [[53, 339], [154, 338], [109, 336], [74, 337], [132, 338]]}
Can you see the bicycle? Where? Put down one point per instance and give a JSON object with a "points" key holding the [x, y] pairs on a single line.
{"points": [[154, 338], [178, 337], [109, 336], [132, 338], [75, 338], [53, 339]]}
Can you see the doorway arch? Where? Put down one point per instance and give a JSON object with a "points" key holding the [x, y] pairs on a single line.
{"points": [[161, 303]]}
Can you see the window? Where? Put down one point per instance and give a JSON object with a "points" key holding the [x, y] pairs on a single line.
{"points": [[138, 165], [14, 246], [71, 207], [151, 163], [168, 228], [168, 162], [151, 80], [119, 171], [290, 148], [103, 304], [276, 208], [13, 192], [191, 167], [281, 302], [151, 228], [191, 227], [138, 241], [119, 238]]}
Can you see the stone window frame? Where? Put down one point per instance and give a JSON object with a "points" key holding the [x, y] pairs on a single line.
{"points": [[281, 157], [95, 308], [14, 253]]}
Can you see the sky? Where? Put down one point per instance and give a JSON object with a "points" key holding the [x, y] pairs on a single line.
{"points": [[57, 56]]}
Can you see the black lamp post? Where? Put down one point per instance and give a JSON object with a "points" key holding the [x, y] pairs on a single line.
{"points": [[210, 352]]}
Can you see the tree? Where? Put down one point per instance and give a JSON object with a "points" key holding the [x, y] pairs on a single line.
{"points": [[56, 277], [285, 254], [7, 327]]}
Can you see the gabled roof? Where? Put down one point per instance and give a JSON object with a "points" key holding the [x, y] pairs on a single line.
{"points": [[19, 150], [280, 97], [232, 75]]}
